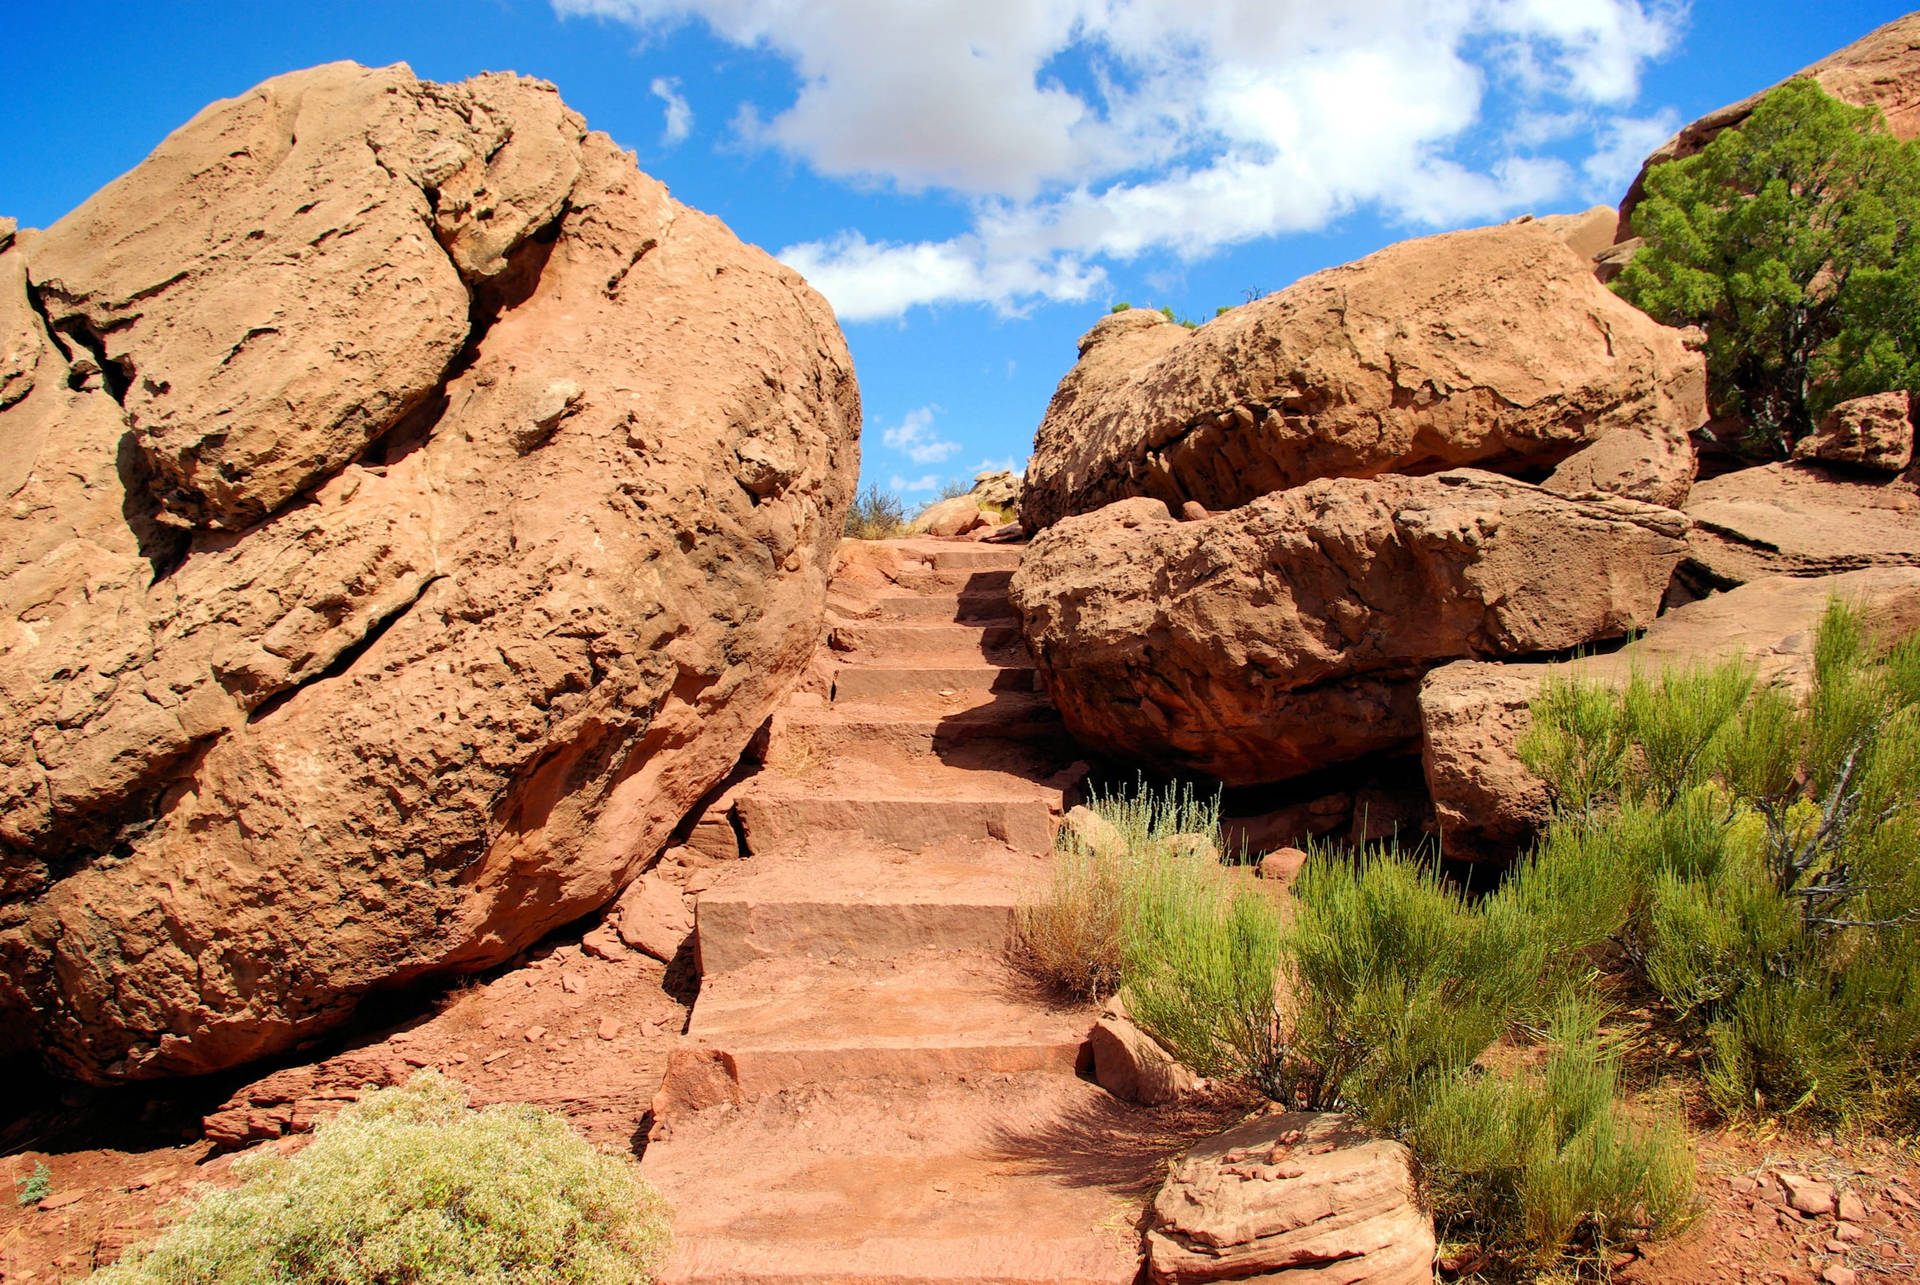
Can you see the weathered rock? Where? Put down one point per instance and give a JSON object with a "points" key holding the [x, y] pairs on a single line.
{"points": [[502, 623], [1799, 519], [1874, 432], [1472, 714], [1881, 68], [1130, 1065], [1293, 1196], [1588, 233], [955, 516], [994, 496], [1291, 633], [1283, 866], [1808, 1195], [653, 917], [1494, 347], [1094, 832]]}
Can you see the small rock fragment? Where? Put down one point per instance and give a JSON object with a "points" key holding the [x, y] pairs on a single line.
{"points": [[1807, 1195], [609, 1028]]}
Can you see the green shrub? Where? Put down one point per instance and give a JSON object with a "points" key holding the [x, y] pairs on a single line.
{"points": [[411, 1187], [875, 515], [36, 1186], [1545, 1165], [1792, 240], [1753, 858]]}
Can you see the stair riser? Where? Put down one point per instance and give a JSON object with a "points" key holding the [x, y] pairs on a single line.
{"points": [[733, 934], [745, 1076], [883, 642], [910, 824], [877, 682], [978, 558], [992, 608], [923, 738], [966, 584], [1009, 1259]]}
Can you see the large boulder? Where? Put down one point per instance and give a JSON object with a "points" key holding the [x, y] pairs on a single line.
{"points": [[1494, 347], [1292, 1196], [992, 502], [412, 512], [1802, 519], [1881, 69], [1291, 633], [1472, 713]]}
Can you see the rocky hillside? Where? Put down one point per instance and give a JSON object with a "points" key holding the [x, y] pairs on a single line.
{"points": [[412, 510]]}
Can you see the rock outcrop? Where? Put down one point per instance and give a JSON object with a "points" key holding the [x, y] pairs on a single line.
{"points": [[1494, 347], [411, 512], [1872, 432], [991, 504], [1291, 633], [1472, 714], [1292, 1196], [1800, 519], [1881, 69]]}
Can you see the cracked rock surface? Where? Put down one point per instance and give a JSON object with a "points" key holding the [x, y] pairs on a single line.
{"points": [[1493, 347], [410, 511], [1292, 633]]}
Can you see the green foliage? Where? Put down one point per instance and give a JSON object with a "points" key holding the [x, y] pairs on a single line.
{"points": [[953, 489], [36, 1186], [1792, 240], [1753, 859], [875, 515], [1547, 1165], [1122, 306], [411, 1187]]}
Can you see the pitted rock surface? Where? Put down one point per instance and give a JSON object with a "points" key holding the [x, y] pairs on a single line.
{"points": [[1291, 633], [1494, 347], [379, 590], [1799, 518], [1873, 432]]}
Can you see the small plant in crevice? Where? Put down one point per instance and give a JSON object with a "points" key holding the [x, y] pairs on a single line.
{"points": [[35, 1187]]}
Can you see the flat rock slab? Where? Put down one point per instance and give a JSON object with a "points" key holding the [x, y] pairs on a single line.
{"points": [[1800, 519], [903, 806], [994, 1179]]}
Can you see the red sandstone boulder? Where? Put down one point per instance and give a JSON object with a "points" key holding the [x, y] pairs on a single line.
{"points": [[1494, 347], [1292, 1196], [1291, 633], [1472, 714], [412, 512], [1873, 432]]}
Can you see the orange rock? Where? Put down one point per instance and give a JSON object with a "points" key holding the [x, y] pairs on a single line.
{"points": [[396, 569]]}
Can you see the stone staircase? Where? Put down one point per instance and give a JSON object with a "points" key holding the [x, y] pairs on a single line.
{"points": [[866, 1091]]}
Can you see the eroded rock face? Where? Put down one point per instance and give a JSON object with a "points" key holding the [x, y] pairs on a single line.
{"points": [[380, 590], [1872, 432], [1297, 1195], [1881, 68], [1291, 633], [1494, 347], [1473, 714], [1799, 519]]}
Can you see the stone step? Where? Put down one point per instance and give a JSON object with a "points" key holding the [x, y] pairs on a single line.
{"points": [[976, 608], [852, 900], [879, 682], [887, 640], [957, 581], [916, 1018], [918, 722], [908, 805], [978, 557], [947, 1184]]}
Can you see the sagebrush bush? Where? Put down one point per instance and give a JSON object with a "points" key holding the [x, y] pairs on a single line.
{"points": [[875, 515], [1753, 857], [410, 1186]]}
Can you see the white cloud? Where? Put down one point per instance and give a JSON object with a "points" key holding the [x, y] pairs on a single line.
{"points": [[679, 122], [1624, 145], [915, 437], [1079, 131], [913, 486]]}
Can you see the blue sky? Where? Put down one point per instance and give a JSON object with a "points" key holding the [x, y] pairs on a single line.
{"points": [[972, 183]]}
